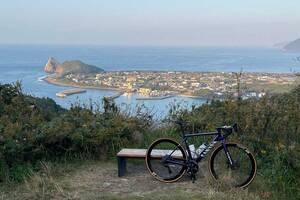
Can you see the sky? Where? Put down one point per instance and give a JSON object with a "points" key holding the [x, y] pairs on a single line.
{"points": [[150, 22]]}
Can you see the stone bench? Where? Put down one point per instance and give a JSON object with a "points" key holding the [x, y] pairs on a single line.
{"points": [[125, 154]]}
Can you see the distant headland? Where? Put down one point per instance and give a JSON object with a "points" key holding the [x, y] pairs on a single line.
{"points": [[156, 85], [59, 70], [293, 46], [70, 67]]}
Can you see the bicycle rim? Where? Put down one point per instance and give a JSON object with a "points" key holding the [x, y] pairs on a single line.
{"points": [[166, 160], [243, 171]]}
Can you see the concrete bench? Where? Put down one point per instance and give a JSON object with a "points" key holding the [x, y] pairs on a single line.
{"points": [[125, 154]]}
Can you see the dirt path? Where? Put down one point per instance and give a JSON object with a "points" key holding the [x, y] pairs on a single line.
{"points": [[99, 180]]}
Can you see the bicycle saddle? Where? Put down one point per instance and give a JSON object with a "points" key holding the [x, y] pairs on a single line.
{"points": [[228, 129]]}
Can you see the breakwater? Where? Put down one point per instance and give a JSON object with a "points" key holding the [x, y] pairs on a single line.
{"points": [[114, 96], [66, 93]]}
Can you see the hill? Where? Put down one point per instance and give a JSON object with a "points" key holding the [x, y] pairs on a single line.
{"points": [[36, 131], [280, 45], [293, 46], [67, 67]]}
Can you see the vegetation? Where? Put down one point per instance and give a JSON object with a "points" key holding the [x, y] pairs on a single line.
{"points": [[270, 126], [37, 129], [76, 66], [269, 88]]}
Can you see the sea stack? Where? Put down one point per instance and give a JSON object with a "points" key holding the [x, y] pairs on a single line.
{"points": [[51, 65]]}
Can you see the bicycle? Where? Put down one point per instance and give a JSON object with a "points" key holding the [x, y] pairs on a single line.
{"points": [[167, 160]]}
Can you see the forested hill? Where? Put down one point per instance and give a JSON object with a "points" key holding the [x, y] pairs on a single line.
{"points": [[72, 66]]}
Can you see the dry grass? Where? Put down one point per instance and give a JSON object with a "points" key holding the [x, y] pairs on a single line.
{"points": [[98, 180]]}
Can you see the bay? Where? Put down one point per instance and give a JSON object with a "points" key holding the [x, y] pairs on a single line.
{"points": [[25, 63]]}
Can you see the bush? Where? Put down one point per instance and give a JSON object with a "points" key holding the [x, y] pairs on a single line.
{"points": [[34, 129], [269, 126]]}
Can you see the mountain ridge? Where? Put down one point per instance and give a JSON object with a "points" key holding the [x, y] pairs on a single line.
{"points": [[293, 46]]}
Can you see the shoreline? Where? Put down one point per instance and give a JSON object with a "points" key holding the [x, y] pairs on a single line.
{"points": [[48, 79], [154, 98], [190, 96]]}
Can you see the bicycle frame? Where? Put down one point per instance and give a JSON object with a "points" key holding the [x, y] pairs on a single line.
{"points": [[218, 138]]}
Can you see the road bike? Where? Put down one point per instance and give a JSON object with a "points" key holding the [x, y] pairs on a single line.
{"points": [[230, 163]]}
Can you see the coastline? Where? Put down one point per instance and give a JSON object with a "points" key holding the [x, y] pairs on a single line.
{"points": [[50, 80], [191, 96], [155, 98]]}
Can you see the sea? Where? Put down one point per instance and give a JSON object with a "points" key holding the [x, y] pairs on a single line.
{"points": [[25, 63]]}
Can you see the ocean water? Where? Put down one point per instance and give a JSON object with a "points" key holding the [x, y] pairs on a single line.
{"points": [[25, 63]]}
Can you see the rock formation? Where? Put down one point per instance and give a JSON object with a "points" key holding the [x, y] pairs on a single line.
{"points": [[67, 67], [51, 65]]}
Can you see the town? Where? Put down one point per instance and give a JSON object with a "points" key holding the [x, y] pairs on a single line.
{"points": [[193, 84]]}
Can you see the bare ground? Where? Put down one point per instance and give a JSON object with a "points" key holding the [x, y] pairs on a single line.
{"points": [[99, 180]]}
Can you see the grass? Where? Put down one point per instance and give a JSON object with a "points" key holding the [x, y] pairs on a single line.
{"points": [[98, 180], [271, 88]]}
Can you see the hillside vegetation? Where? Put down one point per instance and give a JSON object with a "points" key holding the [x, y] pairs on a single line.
{"points": [[72, 66], [77, 67], [37, 130]]}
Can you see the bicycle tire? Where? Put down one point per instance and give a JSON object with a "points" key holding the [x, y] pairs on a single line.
{"points": [[248, 156], [151, 157]]}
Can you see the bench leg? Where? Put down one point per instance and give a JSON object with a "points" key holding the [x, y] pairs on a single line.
{"points": [[121, 166]]}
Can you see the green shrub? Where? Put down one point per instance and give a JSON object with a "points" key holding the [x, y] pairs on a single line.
{"points": [[34, 129], [270, 126]]}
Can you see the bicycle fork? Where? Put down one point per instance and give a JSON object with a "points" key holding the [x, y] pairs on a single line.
{"points": [[229, 158]]}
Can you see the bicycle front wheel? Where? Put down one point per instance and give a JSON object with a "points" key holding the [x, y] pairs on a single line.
{"points": [[166, 160], [241, 173]]}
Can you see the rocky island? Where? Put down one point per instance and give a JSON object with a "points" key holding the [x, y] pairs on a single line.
{"points": [[58, 71], [68, 67]]}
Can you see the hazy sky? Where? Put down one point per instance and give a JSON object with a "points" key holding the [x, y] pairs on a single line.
{"points": [[150, 22]]}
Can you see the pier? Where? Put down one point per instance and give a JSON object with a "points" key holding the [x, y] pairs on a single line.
{"points": [[66, 93], [114, 96]]}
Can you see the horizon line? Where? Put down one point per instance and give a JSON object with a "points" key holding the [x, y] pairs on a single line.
{"points": [[135, 45]]}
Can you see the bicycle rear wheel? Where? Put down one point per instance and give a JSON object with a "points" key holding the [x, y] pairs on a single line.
{"points": [[166, 160], [243, 171]]}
